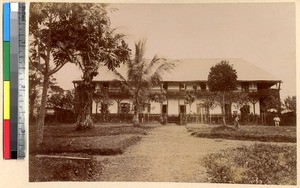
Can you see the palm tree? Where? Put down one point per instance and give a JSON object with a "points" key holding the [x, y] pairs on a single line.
{"points": [[142, 75]]}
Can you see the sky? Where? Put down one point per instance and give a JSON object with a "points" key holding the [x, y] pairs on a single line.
{"points": [[260, 33]]}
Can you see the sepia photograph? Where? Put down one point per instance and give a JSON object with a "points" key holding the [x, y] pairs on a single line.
{"points": [[162, 92]]}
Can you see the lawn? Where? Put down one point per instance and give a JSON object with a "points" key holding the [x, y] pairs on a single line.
{"points": [[245, 132], [257, 164], [64, 140]]}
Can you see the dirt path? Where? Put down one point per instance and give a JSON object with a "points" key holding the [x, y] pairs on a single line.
{"points": [[166, 154]]}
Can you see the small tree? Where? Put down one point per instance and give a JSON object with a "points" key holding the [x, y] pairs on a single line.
{"points": [[189, 99], [142, 75], [222, 79], [289, 103], [159, 97]]}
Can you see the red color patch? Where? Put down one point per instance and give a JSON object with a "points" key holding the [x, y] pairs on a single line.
{"points": [[6, 139]]}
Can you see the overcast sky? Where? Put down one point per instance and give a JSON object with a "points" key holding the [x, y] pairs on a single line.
{"points": [[260, 33]]}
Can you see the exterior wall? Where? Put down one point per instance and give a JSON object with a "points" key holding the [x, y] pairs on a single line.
{"points": [[173, 86], [155, 108], [94, 107], [216, 110], [193, 109], [114, 107], [173, 107], [252, 87], [190, 86], [257, 108], [156, 88]]}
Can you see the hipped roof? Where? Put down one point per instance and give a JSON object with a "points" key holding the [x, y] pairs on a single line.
{"points": [[197, 70]]}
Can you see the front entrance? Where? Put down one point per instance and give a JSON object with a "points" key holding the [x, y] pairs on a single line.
{"points": [[182, 109], [182, 115]]}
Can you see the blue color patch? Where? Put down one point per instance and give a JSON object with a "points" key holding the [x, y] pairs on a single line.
{"points": [[6, 22]]}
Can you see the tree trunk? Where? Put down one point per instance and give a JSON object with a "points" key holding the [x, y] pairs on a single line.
{"points": [[136, 121], [223, 110], [42, 112], [253, 108], [31, 111], [85, 100]]}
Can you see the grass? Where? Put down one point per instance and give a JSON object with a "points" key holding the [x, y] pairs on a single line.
{"points": [[59, 169], [63, 139], [253, 133], [102, 145], [101, 139], [257, 164], [68, 130]]}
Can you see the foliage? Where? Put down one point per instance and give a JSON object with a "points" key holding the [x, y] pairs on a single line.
{"points": [[257, 164], [271, 102], [62, 100], [189, 98], [77, 33], [222, 80], [159, 97], [289, 103], [239, 99], [103, 98], [222, 77], [142, 75], [91, 43], [46, 55]]}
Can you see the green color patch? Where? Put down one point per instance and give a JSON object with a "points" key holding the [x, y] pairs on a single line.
{"points": [[6, 61]]}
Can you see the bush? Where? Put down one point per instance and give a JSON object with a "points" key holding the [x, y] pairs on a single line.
{"points": [[257, 164]]}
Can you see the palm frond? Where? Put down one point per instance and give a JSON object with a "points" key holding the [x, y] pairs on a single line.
{"points": [[139, 51], [156, 77], [155, 60]]}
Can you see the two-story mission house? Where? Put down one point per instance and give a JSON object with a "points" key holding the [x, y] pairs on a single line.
{"points": [[191, 74]]}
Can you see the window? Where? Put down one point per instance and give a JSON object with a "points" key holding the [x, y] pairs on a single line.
{"points": [[105, 86], [245, 86], [164, 109], [148, 107], [182, 109], [165, 86], [182, 86], [203, 86], [125, 108]]}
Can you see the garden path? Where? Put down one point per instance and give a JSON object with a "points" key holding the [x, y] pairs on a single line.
{"points": [[166, 154]]}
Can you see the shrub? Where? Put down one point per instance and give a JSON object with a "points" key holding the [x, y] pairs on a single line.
{"points": [[257, 164]]}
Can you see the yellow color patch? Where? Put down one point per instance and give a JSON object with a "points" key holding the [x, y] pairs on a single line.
{"points": [[6, 99]]}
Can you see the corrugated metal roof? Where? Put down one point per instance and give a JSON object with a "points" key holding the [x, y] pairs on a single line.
{"points": [[198, 70]]}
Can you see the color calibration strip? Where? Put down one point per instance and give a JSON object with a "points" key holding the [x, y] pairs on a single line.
{"points": [[14, 80]]}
